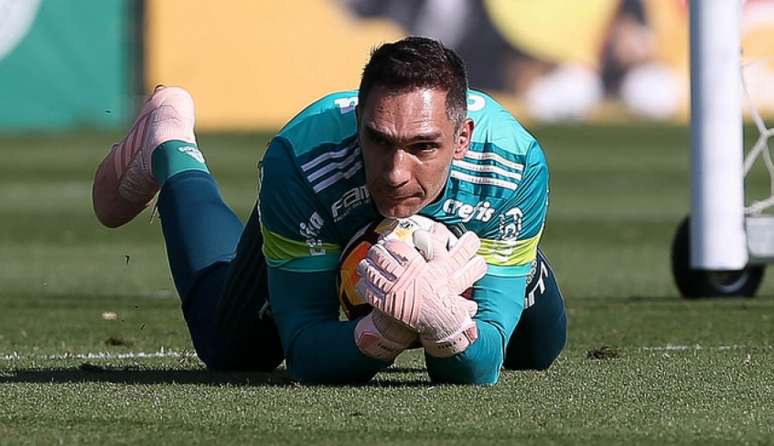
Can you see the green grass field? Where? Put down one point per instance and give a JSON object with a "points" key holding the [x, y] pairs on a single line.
{"points": [[671, 371]]}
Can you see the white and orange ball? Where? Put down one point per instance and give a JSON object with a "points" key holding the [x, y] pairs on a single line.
{"points": [[354, 305]]}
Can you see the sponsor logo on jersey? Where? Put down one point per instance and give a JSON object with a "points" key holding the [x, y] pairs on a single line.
{"points": [[539, 286], [482, 211], [350, 200], [476, 102], [310, 231], [346, 105], [510, 224]]}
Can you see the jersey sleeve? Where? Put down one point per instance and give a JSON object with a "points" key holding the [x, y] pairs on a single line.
{"points": [[302, 258], [509, 249], [296, 236]]}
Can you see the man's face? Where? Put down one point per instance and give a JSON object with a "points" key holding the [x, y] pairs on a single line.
{"points": [[408, 143]]}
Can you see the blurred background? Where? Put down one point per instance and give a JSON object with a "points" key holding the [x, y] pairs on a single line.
{"points": [[251, 65], [603, 84], [87, 312]]}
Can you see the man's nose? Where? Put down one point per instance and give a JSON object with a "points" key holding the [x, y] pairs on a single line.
{"points": [[398, 170]]}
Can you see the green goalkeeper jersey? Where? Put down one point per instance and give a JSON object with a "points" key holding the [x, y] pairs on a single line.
{"points": [[313, 199]]}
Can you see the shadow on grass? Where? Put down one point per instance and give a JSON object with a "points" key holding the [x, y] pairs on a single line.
{"points": [[404, 370], [401, 384], [88, 373]]}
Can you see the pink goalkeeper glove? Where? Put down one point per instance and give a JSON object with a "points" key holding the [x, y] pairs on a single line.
{"points": [[424, 295], [382, 337]]}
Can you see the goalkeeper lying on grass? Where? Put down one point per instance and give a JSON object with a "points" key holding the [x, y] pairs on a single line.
{"points": [[412, 140]]}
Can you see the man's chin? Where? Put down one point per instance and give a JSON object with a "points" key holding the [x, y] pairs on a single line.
{"points": [[403, 210]]}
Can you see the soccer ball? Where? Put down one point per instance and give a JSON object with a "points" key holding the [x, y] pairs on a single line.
{"points": [[354, 305]]}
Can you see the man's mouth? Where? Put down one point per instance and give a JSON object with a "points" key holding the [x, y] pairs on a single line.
{"points": [[398, 198]]}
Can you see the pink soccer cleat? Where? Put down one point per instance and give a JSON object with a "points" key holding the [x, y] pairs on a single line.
{"points": [[124, 183]]}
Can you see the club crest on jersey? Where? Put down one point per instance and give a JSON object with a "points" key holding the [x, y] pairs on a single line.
{"points": [[350, 200], [310, 231], [482, 211], [510, 224]]}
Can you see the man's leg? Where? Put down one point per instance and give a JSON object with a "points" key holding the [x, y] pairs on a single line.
{"points": [[542, 330], [247, 337], [200, 231], [220, 277]]}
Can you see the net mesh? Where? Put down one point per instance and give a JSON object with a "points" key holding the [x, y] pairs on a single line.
{"points": [[761, 148]]}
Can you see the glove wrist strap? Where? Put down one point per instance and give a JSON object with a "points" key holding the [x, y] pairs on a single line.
{"points": [[455, 343], [372, 343]]}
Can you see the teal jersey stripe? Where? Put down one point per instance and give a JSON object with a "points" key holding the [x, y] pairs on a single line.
{"points": [[499, 156], [487, 171]]}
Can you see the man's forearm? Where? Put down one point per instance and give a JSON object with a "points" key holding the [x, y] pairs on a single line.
{"points": [[479, 364], [325, 353], [318, 347], [500, 301]]}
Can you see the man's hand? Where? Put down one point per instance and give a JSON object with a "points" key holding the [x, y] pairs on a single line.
{"points": [[382, 337], [424, 294]]}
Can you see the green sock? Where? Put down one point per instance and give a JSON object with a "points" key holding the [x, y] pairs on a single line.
{"points": [[173, 157]]}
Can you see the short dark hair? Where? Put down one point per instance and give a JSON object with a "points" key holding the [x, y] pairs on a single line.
{"points": [[418, 62]]}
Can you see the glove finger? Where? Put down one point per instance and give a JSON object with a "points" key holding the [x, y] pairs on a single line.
{"points": [[400, 251], [465, 248], [381, 258], [440, 230], [470, 273], [374, 275], [443, 236], [370, 294]]}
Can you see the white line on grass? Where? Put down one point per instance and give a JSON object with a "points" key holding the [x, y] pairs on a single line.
{"points": [[695, 347], [162, 353]]}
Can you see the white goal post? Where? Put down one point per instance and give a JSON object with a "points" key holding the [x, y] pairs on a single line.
{"points": [[718, 238]]}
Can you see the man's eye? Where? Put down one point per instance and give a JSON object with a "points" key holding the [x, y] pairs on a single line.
{"points": [[424, 147]]}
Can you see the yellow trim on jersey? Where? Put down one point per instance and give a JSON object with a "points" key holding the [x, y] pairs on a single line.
{"points": [[509, 252], [278, 248]]}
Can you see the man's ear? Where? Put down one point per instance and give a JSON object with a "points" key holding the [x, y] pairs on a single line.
{"points": [[463, 138]]}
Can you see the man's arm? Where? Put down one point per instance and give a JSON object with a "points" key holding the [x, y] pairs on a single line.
{"points": [[509, 252], [500, 302], [318, 347], [302, 256]]}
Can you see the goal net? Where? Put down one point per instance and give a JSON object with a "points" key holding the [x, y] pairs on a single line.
{"points": [[760, 150]]}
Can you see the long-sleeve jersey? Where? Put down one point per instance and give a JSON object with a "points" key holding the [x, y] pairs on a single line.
{"points": [[313, 199]]}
